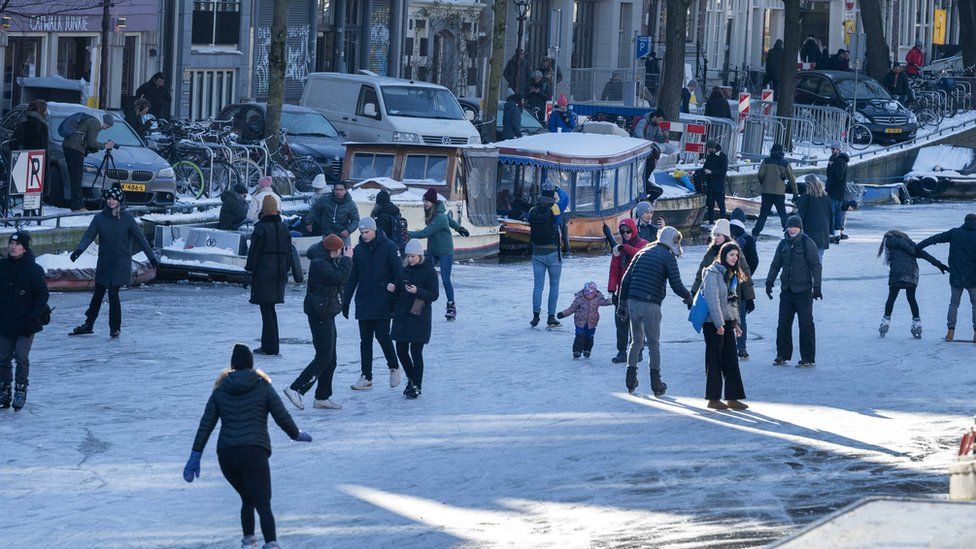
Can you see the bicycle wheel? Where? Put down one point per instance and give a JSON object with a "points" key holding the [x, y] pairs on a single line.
{"points": [[249, 171], [190, 182], [927, 119], [859, 137], [305, 170], [224, 177]]}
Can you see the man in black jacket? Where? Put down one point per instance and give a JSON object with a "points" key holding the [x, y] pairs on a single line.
{"points": [[798, 259], [716, 166], [155, 91], [642, 291], [774, 65], [962, 267], [545, 238], [376, 262], [23, 303], [233, 208], [837, 189]]}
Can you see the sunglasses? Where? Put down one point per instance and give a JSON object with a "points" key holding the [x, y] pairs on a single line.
{"points": [[625, 230]]}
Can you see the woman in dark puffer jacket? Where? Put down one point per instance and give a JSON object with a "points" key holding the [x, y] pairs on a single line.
{"points": [[242, 399], [902, 259]]}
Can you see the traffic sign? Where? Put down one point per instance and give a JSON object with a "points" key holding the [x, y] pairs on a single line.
{"points": [[642, 47]]}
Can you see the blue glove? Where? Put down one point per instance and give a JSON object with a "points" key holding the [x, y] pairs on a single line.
{"points": [[302, 437], [192, 468]]}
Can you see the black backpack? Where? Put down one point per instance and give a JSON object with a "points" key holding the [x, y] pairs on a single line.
{"points": [[400, 237]]}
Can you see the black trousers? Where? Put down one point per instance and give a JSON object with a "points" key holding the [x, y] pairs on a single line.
{"points": [[114, 306], [909, 294], [269, 329], [768, 202], [76, 163], [412, 359], [712, 199], [246, 469], [798, 305], [722, 360], [380, 329], [323, 365], [623, 331]]}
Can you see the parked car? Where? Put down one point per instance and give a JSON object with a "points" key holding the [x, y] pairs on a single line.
{"points": [[146, 177], [372, 108], [472, 109], [309, 133], [887, 119]]}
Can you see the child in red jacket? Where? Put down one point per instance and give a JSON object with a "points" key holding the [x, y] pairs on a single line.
{"points": [[586, 315]]}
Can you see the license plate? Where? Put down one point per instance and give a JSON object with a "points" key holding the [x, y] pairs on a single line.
{"points": [[134, 187], [892, 130]]}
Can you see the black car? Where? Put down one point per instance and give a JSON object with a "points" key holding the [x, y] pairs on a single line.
{"points": [[472, 110], [887, 119], [309, 133]]}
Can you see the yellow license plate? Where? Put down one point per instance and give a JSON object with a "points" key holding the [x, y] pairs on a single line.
{"points": [[892, 130], [134, 187]]}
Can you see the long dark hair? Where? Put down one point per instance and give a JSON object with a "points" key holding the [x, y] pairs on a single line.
{"points": [[431, 212], [882, 249], [723, 253]]}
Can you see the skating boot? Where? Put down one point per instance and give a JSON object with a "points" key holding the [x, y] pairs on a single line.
{"points": [[736, 405], [632, 380], [20, 396], [805, 364], [409, 388], [717, 405], [657, 386], [5, 396], [411, 391], [917, 328], [451, 313], [885, 324], [951, 334], [115, 334], [578, 346], [552, 322], [621, 358], [781, 361], [535, 320], [271, 545], [250, 542], [83, 329]]}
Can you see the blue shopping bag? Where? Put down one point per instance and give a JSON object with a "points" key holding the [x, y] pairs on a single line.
{"points": [[698, 314]]}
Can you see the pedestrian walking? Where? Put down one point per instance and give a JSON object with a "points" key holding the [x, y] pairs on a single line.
{"points": [[23, 313], [901, 255], [962, 268], [80, 144], [413, 293], [440, 242], [774, 65], [775, 173], [837, 189], [327, 274], [715, 168], [545, 238], [265, 188], [815, 210], [116, 231], [630, 244], [689, 100], [241, 400], [376, 262], [720, 290], [269, 258], [642, 291], [585, 309], [750, 259], [797, 259]]}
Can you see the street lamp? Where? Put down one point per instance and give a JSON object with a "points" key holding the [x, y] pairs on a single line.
{"points": [[521, 10]]}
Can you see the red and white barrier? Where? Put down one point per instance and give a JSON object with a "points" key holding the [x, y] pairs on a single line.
{"points": [[806, 66], [767, 100]]}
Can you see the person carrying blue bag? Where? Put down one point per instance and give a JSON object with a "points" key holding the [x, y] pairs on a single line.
{"points": [[716, 313]]}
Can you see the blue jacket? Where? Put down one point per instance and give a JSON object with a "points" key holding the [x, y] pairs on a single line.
{"points": [[647, 274], [562, 121], [374, 265]]}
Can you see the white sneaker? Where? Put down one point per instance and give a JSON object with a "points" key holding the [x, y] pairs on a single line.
{"points": [[250, 542], [327, 404], [295, 397], [394, 377], [363, 384]]}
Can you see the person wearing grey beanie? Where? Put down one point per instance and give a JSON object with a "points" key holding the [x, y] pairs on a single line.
{"points": [[413, 293], [646, 227]]}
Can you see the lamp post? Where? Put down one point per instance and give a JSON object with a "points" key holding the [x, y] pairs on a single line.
{"points": [[521, 10]]}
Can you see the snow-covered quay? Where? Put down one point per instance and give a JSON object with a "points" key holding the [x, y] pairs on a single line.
{"points": [[513, 444]]}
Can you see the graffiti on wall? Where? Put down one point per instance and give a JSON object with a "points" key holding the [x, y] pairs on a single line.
{"points": [[379, 40], [298, 59]]}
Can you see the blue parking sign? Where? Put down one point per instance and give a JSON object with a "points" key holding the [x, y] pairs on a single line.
{"points": [[642, 47]]}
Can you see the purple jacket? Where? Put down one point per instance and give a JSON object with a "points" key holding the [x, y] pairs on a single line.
{"points": [[587, 310]]}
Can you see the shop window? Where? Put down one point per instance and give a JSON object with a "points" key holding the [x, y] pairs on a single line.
{"points": [[369, 165], [216, 23]]}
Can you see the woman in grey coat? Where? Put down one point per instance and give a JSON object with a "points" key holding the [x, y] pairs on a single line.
{"points": [[722, 327], [116, 230]]}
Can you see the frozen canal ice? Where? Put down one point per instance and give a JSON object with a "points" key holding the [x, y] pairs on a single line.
{"points": [[513, 443]]}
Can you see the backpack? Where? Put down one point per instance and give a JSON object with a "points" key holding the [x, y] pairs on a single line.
{"points": [[69, 126], [400, 237]]}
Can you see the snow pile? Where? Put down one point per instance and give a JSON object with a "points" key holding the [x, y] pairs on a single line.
{"points": [[943, 157], [574, 144], [87, 260], [201, 264]]}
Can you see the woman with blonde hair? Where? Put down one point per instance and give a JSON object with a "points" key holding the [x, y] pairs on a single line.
{"points": [[814, 209]]}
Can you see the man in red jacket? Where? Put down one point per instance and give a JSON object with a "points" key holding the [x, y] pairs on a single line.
{"points": [[915, 59], [622, 254]]}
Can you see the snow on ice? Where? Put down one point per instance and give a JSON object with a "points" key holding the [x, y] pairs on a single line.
{"points": [[513, 443]]}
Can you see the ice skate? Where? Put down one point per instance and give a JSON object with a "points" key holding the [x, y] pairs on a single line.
{"points": [[551, 322], [632, 382], [586, 354], [411, 391], [363, 384], [20, 396], [885, 324], [250, 542], [951, 334], [535, 320], [115, 334], [5, 396], [327, 404], [743, 355], [83, 329], [781, 361], [917, 328], [621, 358], [736, 405], [394, 378], [657, 386], [294, 397], [451, 313], [805, 364], [717, 405]]}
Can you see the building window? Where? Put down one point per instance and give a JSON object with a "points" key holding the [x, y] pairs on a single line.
{"points": [[210, 91], [216, 23], [624, 35], [583, 23], [75, 57], [537, 32]]}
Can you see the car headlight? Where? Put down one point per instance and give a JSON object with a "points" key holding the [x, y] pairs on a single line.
{"points": [[91, 168], [476, 140], [166, 173], [860, 118], [405, 137], [912, 119]]}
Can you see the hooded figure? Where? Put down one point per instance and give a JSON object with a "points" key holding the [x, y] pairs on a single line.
{"points": [[157, 93], [623, 254], [774, 65], [233, 208], [717, 105], [512, 117]]}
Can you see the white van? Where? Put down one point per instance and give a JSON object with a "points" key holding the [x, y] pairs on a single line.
{"points": [[370, 108]]}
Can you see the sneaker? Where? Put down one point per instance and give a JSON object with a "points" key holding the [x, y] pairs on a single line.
{"points": [[535, 320], [917, 328], [717, 405], [743, 355], [115, 334], [885, 324], [551, 322], [736, 405], [621, 358], [805, 364], [326, 404], [363, 384], [20, 396], [83, 329], [394, 378], [451, 313], [781, 361], [295, 397], [250, 542], [5, 395]]}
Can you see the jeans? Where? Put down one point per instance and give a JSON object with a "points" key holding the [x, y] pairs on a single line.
{"points": [[269, 330], [909, 294], [114, 307], [741, 340], [799, 305], [711, 199], [412, 358], [75, 161], [323, 365], [542, 264], [840, 216], [768, 202], [16, 349], [645, 324], [380, 329], [721, 361], [246, 469], [954, 305], [445, 262]]}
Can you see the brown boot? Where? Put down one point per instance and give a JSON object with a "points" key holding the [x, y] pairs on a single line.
{"points": [[950, 335], [736, 405], [717, 405]]}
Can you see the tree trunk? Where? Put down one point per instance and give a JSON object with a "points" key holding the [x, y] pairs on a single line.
{"points": [[877, 56], [787, 80], [967, 27], [276, 72], [673, 72], [489, 111]]}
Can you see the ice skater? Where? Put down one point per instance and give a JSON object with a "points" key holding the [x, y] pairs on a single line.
{"points": [[962, 267], [241, 400], [721, 291], [586, 315], [414, 292], [901, 256], [630, 244]]}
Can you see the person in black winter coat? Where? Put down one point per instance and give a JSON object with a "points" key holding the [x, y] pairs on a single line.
{"points": [[241, 400], [512, 117], [750, 255], [269, 259], [797, 258], [414, 291], [158, 95], [810, 51], [116, 230], [23, 305], [774, 65], [538, 92], [136, 117], [814, 208], [962, 266], [387, 216], [715, 168], [233, 208], [901, 256], [35, 136], [717, 105], [837, 189], [375, 263], [518, 80]]}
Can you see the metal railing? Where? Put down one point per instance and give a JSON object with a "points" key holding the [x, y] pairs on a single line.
{"points": [[592, 85]]}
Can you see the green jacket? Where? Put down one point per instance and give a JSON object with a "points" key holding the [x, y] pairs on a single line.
{"points": [[85, 139], [438, 232]]}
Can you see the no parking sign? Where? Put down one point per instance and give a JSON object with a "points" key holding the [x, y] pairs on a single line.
{"points": [[27, 176]]}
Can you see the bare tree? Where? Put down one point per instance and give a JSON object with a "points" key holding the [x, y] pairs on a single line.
{"points": [[276, 71], [787, 79], [673, 74], [967, 28], [878, 55], [36, 8], [489, 111]]}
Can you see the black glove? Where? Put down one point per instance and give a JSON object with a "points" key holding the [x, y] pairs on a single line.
{"points": [[817, 294], [769, 291], [943, 268], [463, 231], [614, 299], [345, 312], [689, 302], [622, 310], [75, 255], [750, 305], [560, 315], [31, 326]]}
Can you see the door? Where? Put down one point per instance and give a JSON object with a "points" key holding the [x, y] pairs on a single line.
{"points": [[368, 123], [23, 58]]}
